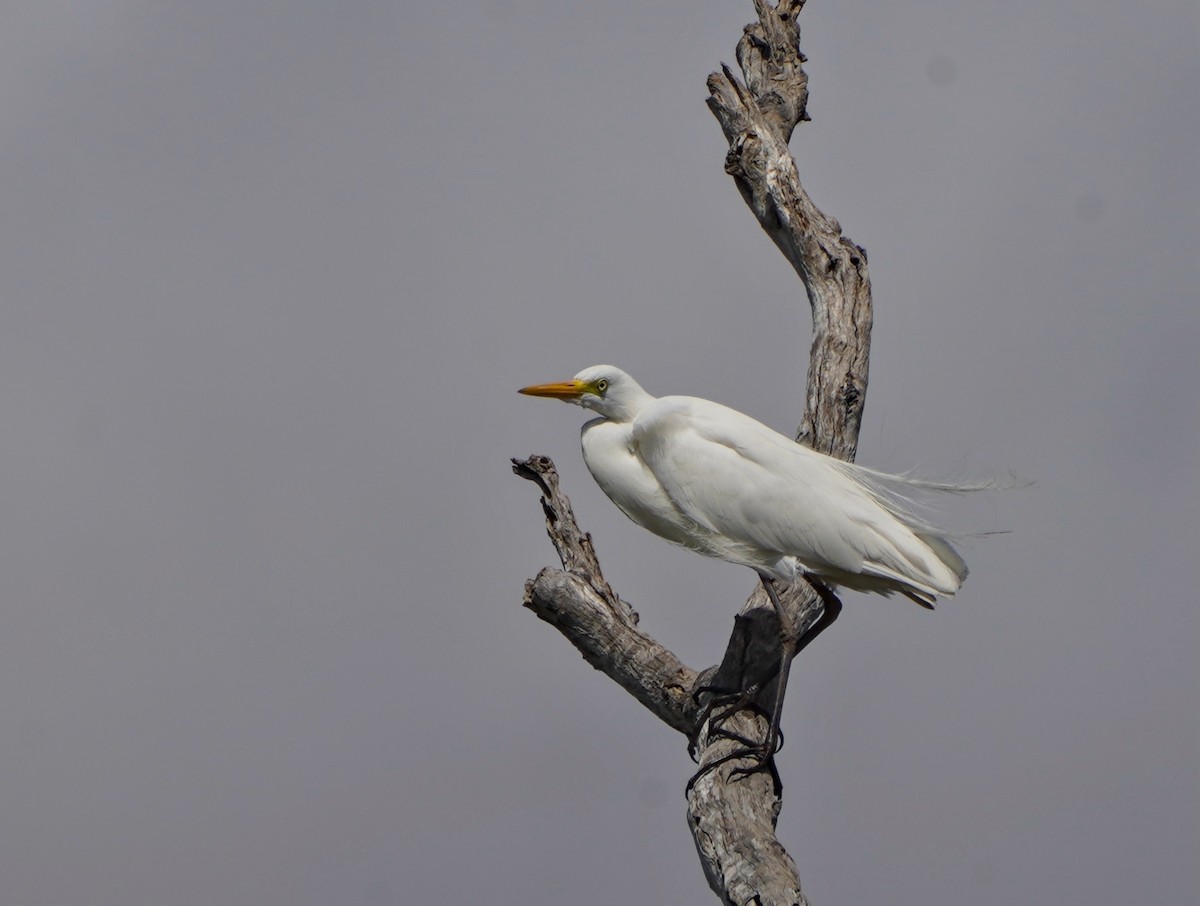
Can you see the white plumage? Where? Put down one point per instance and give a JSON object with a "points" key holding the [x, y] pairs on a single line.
{"points": [[716, 481]]}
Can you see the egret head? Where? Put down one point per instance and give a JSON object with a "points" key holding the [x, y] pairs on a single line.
{"points": [[604, 388]]}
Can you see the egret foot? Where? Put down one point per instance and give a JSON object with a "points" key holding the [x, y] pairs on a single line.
{"points": [[750, 749], [730, 701], [791, 643]]}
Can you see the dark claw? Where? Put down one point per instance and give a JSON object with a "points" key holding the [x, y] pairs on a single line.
{"points": [[750, 744], [716, 691], [766, 764], [744, 703], [762, 763], [741, 701]]}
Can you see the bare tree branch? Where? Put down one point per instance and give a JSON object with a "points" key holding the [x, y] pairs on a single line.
{"points": [[733, 815], [757, 119], [578, 601]]}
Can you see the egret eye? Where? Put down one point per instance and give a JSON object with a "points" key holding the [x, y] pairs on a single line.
{"points": [[602, 385]]}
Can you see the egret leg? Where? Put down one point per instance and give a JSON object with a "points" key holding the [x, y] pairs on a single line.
{"points": [[790, 644], [831, 609]]}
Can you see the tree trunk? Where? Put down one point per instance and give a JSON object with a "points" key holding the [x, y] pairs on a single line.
{"points": [[732, 816]]}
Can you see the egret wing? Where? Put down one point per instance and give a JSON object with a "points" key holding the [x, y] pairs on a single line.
{"points": [[765, 497], [727, 472]]}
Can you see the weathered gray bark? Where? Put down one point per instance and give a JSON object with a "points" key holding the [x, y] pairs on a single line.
{"points": [[580, 603], [732, 816]]}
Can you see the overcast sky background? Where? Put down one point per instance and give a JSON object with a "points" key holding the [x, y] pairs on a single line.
{"points": [[270, 275]]}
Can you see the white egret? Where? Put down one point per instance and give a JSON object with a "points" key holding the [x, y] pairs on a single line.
{"points": [[718, 482]]}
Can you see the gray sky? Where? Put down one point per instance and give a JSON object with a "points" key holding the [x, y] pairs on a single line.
{"points": [[271, 275]]}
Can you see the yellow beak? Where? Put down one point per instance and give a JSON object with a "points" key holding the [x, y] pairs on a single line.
{"points": [[563, 390]]}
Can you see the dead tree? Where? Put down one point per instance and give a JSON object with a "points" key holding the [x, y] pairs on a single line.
{"points": [[732, 815]]}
